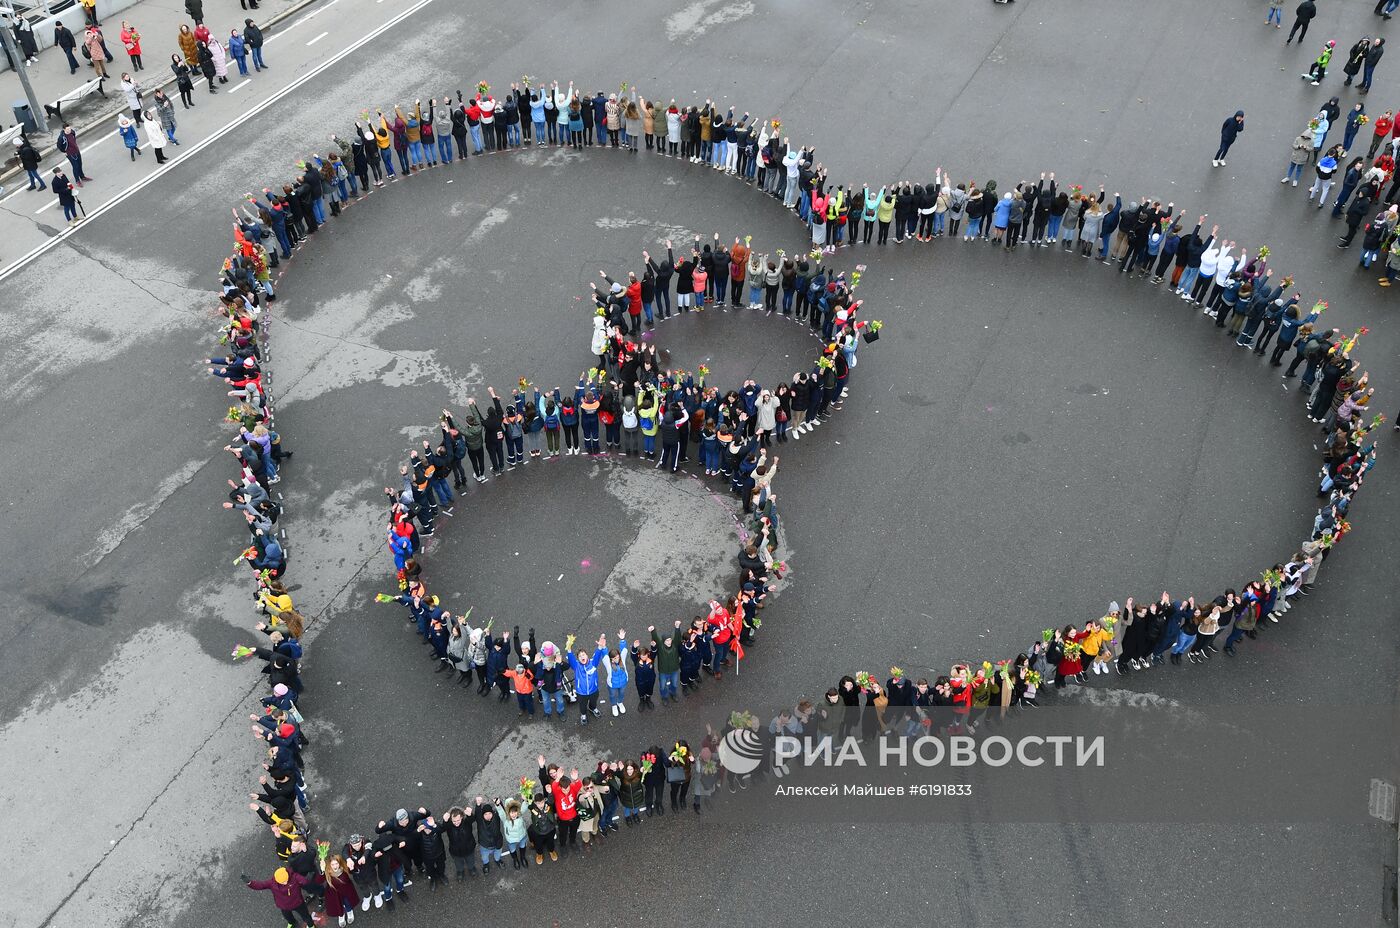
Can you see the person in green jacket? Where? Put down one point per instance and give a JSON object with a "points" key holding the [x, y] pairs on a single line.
{"points": [[668, 661]]}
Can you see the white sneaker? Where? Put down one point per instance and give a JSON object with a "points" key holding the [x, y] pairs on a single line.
{"points": [[1295, 183], [614, 711], [341, 921], [379, 900], [365, 903], [622, 709], [350, 916]]}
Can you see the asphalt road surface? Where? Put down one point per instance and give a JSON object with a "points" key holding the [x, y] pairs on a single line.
{"points": [[1033, 437]]}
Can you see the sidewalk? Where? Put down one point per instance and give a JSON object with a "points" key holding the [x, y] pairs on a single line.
{"points": [[159, 23]]}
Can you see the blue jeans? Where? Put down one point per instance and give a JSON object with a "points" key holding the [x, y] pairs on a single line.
{"points": [[70, 212], [242, 64], [394, 882], [721, 652], [552, 701], [258, 63], [720, 279], [36, 181], [476, 138], [488, 854], [616, 694], [1275, 16], [1103, 244], [974, 227], [1366, 76], [540, 133], [787, 301], [1188, 279], [671, 681], [706, 150], [938, 219], [513, 134], [284, 240], [444, 144], [318, 209], [1183, 644], [439, 487], [1295, 172], [1236, 634], [415, 153], [387, 154], [1052, 231], [646, 311]]}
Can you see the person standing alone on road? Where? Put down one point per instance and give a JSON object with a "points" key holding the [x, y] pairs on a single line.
{"points": [[29, 160], [253, 37], [1229, 131], [1303, 15]]}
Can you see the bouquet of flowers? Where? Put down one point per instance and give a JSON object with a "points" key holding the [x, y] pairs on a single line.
{"points": [[647, 764], [522, 385], [527, 79], [1362, 120], [896, 674], [864, 680], [1320, 307], [622, 88], [234, 414], [1108, 622], [741, 719], [483, 88], [1264, 252], [247, 555], [703, 371], [709, 767], [1072, 649], [1004, 670], [527, 789], [825, 363], [1047, 635], [1033, 678], [323, 850], [816, 255], [777, 124], [241, 651], [1272, 577], [1287, 281], [680, 755], [780, 568]]}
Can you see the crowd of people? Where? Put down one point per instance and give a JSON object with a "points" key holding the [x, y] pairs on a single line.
{"points": [[629, 403]]}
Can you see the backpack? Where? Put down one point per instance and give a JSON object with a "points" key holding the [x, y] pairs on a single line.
{"points": [[62, 143]]}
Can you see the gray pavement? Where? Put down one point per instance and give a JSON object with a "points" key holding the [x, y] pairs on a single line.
{"points": [[1027, 442]]}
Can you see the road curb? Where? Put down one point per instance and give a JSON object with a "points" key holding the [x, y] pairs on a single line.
{"points": [[87, 127]]}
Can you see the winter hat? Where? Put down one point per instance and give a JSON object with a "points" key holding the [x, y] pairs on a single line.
{"points": [[401, 815], [1239, 112], [123, 121], [18, 142], [547, 649], [286, 730], [519, 668], [617, 288], [281, 875], [1113, 607], [280, 689]]}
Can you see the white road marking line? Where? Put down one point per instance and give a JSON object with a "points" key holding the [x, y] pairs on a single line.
{"points": [[245, 83], [45, 206], [14, 194], [213, 137], [318, 38]]}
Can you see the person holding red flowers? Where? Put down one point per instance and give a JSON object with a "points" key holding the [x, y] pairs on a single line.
{"points": [[564, 790]]}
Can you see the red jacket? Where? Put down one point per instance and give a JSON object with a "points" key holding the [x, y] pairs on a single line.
{"points": [[286, 895], [1383, 125], [566, 800], [634, 298]]}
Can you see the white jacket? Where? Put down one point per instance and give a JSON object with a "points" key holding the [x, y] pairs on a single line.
{"points": [[154, 133]]}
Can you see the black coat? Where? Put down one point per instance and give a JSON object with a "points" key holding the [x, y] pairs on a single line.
{"points": [[461, 840]]}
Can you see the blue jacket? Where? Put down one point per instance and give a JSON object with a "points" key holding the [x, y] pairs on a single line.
{"points": [[586, 675], [1109, 225], [1001, 213], [128, 134]]}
